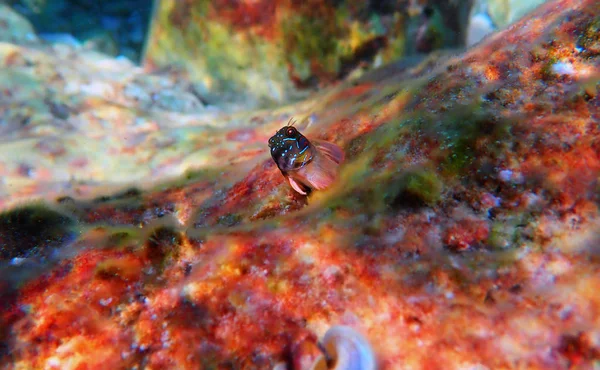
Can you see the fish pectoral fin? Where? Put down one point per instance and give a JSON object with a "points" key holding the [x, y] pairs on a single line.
{"points": [[331, 150], [299, 187]]}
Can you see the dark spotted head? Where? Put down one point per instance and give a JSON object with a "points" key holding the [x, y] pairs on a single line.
{"points": [[290, 149]]}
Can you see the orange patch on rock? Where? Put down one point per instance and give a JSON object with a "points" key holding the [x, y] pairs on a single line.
{"points": [[257, 16], [466, 234]]}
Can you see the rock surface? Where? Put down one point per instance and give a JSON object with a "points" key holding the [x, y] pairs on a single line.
{"points": [[14, 28], [463, 232], [490, 15], [269, 52]]}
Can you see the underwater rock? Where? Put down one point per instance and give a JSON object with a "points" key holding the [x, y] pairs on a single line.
{"points": [[436, 24], [462, 231], [263, 53], [14, 28], [268, 52], [103, 41], [60, 38], [112, 27], [480, 25], [489, 15], [505, 12]]}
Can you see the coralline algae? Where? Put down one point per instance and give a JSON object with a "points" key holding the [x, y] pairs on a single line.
{"points": [[462, 231]]}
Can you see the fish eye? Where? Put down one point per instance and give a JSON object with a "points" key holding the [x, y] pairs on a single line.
{"points": [[291, 131]]}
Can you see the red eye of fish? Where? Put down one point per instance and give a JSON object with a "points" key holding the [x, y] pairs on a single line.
{"points": [[291, 131]]}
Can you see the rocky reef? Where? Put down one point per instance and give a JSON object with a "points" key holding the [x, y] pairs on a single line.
{"points": [[143, 227], [270, 52]]}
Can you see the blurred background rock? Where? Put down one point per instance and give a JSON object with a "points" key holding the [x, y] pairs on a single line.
{"points": [[274, 51], [113, 27], [262, 53], [487, 16]]}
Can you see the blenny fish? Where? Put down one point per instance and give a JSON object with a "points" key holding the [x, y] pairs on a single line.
{"points": [[307, 165]]}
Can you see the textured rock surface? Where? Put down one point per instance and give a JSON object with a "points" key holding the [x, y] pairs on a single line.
{"points": [[268, 52], [463, 232]]}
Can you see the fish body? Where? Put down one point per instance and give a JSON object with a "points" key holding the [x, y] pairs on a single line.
{"points": [[307, 165]]}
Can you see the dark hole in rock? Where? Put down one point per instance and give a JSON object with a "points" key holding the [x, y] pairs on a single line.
{"points": [[162, 243], [31, 230]]}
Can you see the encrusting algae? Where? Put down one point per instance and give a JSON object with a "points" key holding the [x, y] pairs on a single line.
{"points": [[461, 230]]}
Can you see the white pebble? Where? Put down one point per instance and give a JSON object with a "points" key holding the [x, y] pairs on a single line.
{"points": [[105, 302], [505, 175], [17, 261], [563, 68], [479, 27]]}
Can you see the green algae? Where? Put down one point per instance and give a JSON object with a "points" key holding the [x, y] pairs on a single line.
{"points": [[513, 229], [423, 184], [396, 41], [121, 237], [115, 268], [590, 38], [215, 57], [546, 71], [463, 133], [459, 132], [188, 177], [415, 187], [310, 39], [230, 219], [504, 234]]}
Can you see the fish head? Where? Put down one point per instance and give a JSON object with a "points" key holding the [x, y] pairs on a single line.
{"points": [[290, 149]]}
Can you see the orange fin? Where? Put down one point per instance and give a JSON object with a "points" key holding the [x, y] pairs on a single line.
{"points": [[300, 188], [331, 150]]}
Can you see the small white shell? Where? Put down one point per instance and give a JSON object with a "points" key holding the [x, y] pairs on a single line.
{"points": [[348, 349]]}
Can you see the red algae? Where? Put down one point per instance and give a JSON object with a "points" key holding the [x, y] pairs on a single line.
{"points": [[466, 234], [258, 16], [70, 312]]}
